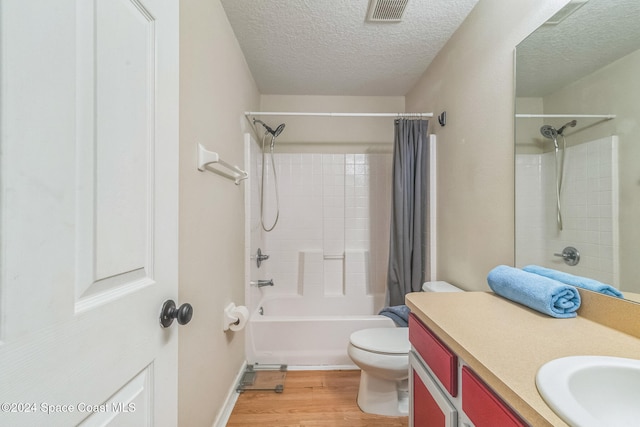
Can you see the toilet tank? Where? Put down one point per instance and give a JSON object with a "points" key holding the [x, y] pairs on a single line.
{"points": [[440, 286]]}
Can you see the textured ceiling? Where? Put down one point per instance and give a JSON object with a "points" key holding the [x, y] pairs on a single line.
{"points": [[597, 34], [325, 47]]}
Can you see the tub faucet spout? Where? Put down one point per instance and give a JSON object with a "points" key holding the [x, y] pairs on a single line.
{"points": [[261, 283]]}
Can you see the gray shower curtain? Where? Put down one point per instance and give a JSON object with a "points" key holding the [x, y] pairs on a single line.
{"points": [[407, 246]]}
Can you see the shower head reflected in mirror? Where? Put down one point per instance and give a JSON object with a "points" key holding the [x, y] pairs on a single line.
{"points": [[273, 133], [552, 133], [549, 132], [571, 124]]}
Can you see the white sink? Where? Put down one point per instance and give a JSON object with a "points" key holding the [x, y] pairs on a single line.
{"points": [[592, 391]]}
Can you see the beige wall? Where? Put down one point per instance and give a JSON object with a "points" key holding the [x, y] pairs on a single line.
{"points": [[472, 79], [216, 88], [614, 89], [528, 137]]}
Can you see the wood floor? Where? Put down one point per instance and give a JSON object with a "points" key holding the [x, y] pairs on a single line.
{"points": [[309, 399]]}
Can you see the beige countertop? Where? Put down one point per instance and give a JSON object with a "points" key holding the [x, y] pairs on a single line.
{"points": [[506, 343]]}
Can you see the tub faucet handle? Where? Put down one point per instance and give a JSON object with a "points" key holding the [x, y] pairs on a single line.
{"points": [[570, 255], [261, 283], [261, 257]]}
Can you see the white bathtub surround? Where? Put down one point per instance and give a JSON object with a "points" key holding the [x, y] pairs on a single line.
{"points": [[310, 332], [589, 209], [328, 256], [333, 275], [311, 268], [254, 234], [335, 204], [530, 210], [357, 273]]}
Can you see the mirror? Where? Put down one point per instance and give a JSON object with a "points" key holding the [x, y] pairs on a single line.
{"points": [[578, 89]]}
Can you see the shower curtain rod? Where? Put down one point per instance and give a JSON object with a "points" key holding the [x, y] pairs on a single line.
{"points": [[567, 116], [282, 113]]}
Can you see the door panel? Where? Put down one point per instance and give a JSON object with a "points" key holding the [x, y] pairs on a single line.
{"points": [[118, 80], [129, 406], [88, 196], [124, 130]]}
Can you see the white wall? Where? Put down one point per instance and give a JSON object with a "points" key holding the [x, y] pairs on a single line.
{"points": [[216, 88], [472, 79]]}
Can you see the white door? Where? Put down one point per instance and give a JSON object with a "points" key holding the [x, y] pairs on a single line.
{"points": [[88, 193]]}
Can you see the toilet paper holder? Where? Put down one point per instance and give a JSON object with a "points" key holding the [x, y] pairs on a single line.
{"points": [[234, 317]]}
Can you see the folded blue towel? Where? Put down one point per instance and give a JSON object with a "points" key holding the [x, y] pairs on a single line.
{"points": [[540, 293], [570, 279], [398, 313]]}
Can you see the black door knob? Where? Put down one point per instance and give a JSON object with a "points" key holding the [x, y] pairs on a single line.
{"points": [[183, 314]]}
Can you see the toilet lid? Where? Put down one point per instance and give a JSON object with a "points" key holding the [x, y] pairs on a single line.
{"points": [[382, 340]]}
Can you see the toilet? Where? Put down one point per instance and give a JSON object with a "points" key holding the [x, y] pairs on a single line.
{"points": [[382, 354]]}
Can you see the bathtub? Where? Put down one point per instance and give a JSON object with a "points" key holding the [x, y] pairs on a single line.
{"points": [[299, 331]]}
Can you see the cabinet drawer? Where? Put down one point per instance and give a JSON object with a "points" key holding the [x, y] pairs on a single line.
{"points": [[483, 406], [442, 361]]}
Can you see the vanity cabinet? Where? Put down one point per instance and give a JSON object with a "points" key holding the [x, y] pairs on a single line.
{"points": [[446, 392]]}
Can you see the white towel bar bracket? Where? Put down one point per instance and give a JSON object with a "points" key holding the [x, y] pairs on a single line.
{"points": [[207, 158]]}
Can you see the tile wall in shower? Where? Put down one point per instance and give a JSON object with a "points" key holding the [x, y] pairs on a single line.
{"points": [[530, 210], [336, 206], [589, 209]]}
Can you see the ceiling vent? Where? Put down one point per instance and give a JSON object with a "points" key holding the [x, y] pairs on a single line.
{"points": [[564, 13], [386, 10]]}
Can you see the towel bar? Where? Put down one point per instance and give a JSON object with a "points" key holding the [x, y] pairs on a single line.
{"points": [[205, 158]]}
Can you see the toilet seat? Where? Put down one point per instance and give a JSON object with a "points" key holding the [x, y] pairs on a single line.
{"points": [[382, 340]]}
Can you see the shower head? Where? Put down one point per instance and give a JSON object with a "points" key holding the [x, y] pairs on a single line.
{"points": [[549, 132], [278, 130], [275, 132], [552, 133], [571, 124]]}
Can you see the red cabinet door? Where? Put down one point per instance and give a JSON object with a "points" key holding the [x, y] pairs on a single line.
{"points": [[483, 407], [426, 411], [430, 406]]}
